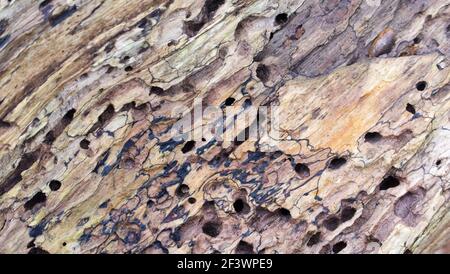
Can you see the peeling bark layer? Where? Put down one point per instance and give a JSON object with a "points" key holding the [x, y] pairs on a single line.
{"points": [[89, 163]]}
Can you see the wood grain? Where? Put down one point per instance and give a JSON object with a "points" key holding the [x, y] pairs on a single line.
{"points": [[89, 165]]}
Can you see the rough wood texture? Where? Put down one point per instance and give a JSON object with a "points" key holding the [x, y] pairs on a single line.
{"points": [[88, 163]]}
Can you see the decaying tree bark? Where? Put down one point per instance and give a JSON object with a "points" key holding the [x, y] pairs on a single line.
{"points": [[89, 164]]}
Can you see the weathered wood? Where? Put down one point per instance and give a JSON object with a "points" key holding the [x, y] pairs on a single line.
{"points": [[89, 163]]}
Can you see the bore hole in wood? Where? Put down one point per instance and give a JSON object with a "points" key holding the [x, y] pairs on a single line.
{"points": [[182, 190], [337, 162], [339, 246], [156, 90], [241, 207], [212, 229], [410, 108], [372, 137], [244, 248], [188, 146], [150, 203], [284, 212], [347, 214], [314, 239], [84, 144], [422, 85], [38, 198], [331, 223], [262, 72], [229, 101], [281, 19], [54, 185], [302, 170], [389, 182]]}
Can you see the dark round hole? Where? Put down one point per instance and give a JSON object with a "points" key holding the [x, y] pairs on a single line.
{"points": [[54, 185], [84, 144], [284, 212], [229, 101], [244, 248], [156, 90], [314, 239], [128, 68], [421, 85], [262, 72], [212, 229], [192, 200], [38, 198], [410, 108], [339, 246], [182, 190], [302, 170], [389, 182], [372, 137], [64, 244], [37, 250], [337, 162], [188, 146], [347, 214], [241, 207], [247, 103], [331, 223], [150, 203], [238, 205], [281, 19], [438, 162]]}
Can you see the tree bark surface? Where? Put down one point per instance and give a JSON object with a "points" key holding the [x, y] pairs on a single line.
{"points": [[89, 163]]}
